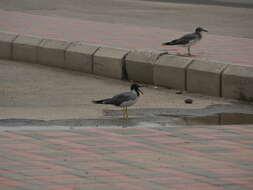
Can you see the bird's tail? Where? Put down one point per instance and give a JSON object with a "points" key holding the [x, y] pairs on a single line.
{"points": [[171, 43], [104, 101]]}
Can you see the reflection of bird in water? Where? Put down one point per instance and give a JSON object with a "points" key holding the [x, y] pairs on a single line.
{"points": [[187, 40], [124, 99]]}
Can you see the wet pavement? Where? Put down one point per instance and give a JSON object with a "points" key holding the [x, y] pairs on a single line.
{"points": [[148, 117], [226, 3]]}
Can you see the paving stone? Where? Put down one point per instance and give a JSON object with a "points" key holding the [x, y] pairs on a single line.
{"points": [[151, 185], [10, 157], [62, 154], [25, 48], [36, 136], [6, 40], [56, 146], [19, 177], [79, 57], [174, 180], [103, 180], [195, 186], [17, 166], [41, 172], [235, 187], [86, 133], [129, 131], [16, 188], [199, 172], [214, 181], [104, 187], [110, 62], [34, 187], [213, 149]]}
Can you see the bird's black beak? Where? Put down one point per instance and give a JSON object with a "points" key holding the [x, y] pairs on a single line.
{"points": [[140, 91], [204, 30]]}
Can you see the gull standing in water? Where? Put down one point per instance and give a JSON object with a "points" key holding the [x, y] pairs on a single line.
{"points": [[124, 99]]}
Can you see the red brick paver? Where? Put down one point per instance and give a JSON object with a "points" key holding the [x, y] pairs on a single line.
{"points": [[176, 158], [213, 47]]}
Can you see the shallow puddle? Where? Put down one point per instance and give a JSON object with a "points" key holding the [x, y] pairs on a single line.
{"points": [[234, 114], [217, 119]]}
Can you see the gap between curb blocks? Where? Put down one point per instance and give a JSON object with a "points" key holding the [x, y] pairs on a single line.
{"points": [[141, 65]]}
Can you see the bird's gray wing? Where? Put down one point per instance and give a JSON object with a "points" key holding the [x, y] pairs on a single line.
{"points": [[184, 39], [123, 97]]}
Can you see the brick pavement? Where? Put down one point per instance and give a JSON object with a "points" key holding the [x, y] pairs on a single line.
{"points": [[175, 158], [220, 48]]}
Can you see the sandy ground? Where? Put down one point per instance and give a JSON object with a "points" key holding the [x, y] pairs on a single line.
{"points": [[31, 91]]}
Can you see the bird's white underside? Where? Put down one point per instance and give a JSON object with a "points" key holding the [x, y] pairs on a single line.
{"points": [[191, 43], [128, 103]]}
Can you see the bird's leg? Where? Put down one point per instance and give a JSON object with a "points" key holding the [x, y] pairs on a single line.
{"points": [[123, 110], [126, 113], [189, 50]]}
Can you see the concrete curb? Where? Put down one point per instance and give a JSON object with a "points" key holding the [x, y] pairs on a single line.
{"points": [[140, 65], [52, 52], [79, 57], [25, 48], [170, 71], [237, 82], [147, 66], [205, 77], [6, 40], [110, 62]]}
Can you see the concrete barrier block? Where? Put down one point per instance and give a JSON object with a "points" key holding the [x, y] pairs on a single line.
{"points": [[52, 52], [25, 48], [170, 71], [6, 40], [110, 62], [205, 77], [79, 57], [140, 65], [237, 82]]}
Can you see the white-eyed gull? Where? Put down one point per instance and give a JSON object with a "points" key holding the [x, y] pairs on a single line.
{"points": [[188, 40], [124, 99]]}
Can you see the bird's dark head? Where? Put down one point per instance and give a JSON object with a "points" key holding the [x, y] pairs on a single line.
{"points": [[136, 87], [199, 30]]}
